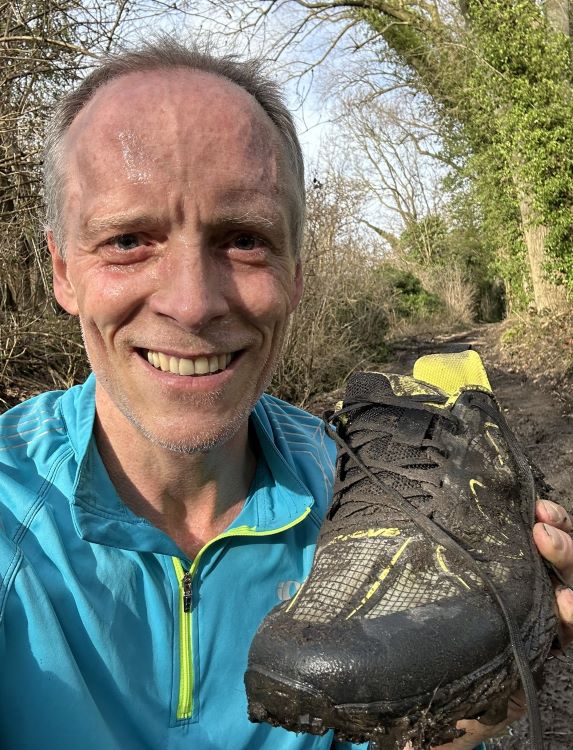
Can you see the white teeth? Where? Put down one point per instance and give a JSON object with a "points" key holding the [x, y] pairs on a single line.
{"points": [[201, 366], [182, 366], [186, 367]]}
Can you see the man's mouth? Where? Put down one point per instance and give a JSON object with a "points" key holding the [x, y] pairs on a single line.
{"points": [[203, 365]]}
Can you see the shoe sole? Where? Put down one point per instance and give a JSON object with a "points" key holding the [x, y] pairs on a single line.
{"points": [[427, 718]]}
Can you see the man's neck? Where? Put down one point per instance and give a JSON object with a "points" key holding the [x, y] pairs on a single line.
{"points": [[191, 497]]}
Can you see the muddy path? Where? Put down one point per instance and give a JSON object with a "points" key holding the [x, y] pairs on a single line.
{"points": [[539, 414], [542, 418]]}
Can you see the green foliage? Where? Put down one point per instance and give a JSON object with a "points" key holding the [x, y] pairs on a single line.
{"points": [[425, 241], [440, 243], [410, 299], [500, 82], [519, 126]]}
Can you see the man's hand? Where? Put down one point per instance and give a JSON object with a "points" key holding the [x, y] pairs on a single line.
{"points": [[551, 535], [476, 732]]}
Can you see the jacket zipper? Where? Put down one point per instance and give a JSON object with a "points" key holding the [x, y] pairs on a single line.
{"points": [[185, 581]]}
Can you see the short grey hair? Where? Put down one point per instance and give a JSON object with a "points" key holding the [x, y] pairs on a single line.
{"points": [[164, 53]]}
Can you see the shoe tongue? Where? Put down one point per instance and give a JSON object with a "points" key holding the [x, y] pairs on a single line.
{"points": [[453, 372], [373, 386]]}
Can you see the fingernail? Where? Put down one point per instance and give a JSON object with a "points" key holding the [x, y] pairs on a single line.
{"points": [[554, 535], [551, 511]]}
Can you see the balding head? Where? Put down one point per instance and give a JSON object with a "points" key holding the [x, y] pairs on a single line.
{"points": [[165, 55]]}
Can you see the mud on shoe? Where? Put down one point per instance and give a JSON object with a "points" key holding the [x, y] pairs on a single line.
{"points": [[427, 601]]}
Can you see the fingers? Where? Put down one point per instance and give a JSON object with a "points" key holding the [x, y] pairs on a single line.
{"points": [[517, 706], [553, 514], [552, 537], [555, 544], [564, 597], [474, 733]]}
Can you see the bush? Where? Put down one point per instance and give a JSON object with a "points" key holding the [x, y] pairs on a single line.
{"points": [[39, 350], [411, 300], [340, 325], [342, 321]]}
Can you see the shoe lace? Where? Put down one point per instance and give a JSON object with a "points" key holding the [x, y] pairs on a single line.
{"points": [[427, 404]]}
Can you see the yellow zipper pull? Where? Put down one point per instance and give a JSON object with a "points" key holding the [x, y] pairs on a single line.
{"points": [[187, 581]]}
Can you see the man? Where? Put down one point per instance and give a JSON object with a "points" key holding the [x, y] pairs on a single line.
{"points": [[151, 517]]}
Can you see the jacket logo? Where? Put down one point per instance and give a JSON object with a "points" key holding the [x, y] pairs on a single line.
{"points": [[287, 589]]}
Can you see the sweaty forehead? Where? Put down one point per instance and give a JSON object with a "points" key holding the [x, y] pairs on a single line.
{"points": [[172, 123]]}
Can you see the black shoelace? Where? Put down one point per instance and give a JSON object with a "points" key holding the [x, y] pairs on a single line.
{"points": [[424, 403]]}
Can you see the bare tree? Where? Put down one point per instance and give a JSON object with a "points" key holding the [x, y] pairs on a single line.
{"points": [[453, 52], [45, 46]]}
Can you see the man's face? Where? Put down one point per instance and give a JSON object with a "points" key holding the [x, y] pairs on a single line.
{"points": [[179, 257]]}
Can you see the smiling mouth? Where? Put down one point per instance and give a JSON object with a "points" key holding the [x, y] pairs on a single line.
{"points": [[182, 366]]}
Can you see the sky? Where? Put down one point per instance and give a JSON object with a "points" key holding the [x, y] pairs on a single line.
{"points": [[288, 59], [312, 63]]}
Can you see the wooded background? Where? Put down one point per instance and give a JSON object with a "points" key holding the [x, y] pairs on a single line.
{"points": [[444, 194]]}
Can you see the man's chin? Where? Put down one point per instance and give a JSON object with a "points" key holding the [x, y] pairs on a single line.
{"points": [[203, 440]]}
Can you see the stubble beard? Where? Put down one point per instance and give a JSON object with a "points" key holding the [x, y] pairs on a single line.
{"points": [[208, 441], [217, 438]]}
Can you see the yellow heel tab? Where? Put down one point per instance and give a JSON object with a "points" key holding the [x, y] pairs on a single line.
{"points": [[452, 372]]}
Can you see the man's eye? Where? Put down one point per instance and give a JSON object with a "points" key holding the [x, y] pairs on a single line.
{"points": [[125, 241], [246, 242]]}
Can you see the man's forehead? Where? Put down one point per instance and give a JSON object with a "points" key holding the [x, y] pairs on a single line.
{"points": [[134, 108], [170, 141]]}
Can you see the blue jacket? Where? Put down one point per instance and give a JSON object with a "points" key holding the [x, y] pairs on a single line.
{"points": [[96, 650]]}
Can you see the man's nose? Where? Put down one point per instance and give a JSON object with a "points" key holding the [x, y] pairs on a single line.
{"points": [[191, 286]]}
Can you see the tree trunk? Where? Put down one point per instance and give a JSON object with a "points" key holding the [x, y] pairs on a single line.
{"points": [[557, 12], [547, 296]]}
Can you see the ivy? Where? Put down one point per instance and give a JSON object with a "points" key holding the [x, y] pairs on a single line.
{"points": [[502, 91]]}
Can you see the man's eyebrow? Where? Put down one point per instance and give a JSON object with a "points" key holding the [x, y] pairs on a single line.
{"points": [[119, 222], [247, 218]]}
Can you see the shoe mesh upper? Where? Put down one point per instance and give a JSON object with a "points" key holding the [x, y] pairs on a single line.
{"points": [[340, 572], [413, 588]]}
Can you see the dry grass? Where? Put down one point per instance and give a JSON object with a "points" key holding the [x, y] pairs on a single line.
{"points": [[39, 350], [542, 345], [340, 325]]}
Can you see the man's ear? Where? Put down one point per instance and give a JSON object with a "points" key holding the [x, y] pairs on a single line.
{"points": [[63, 289], [297, 287]]}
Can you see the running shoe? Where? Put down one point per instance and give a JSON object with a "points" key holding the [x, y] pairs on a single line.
{"points": [[427, 601]]}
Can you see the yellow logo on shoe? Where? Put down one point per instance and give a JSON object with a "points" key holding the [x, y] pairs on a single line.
{"points": [[376, 585], [365, 534], [489, 426]]}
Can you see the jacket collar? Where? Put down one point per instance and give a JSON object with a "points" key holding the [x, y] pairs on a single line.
{"points": [[100, 516]]}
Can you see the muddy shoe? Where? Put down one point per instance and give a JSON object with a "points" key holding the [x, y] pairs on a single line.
{"points": [[427, 601]]}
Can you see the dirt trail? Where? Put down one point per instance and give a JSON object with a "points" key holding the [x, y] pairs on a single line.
{"points": [[542, 419]]}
